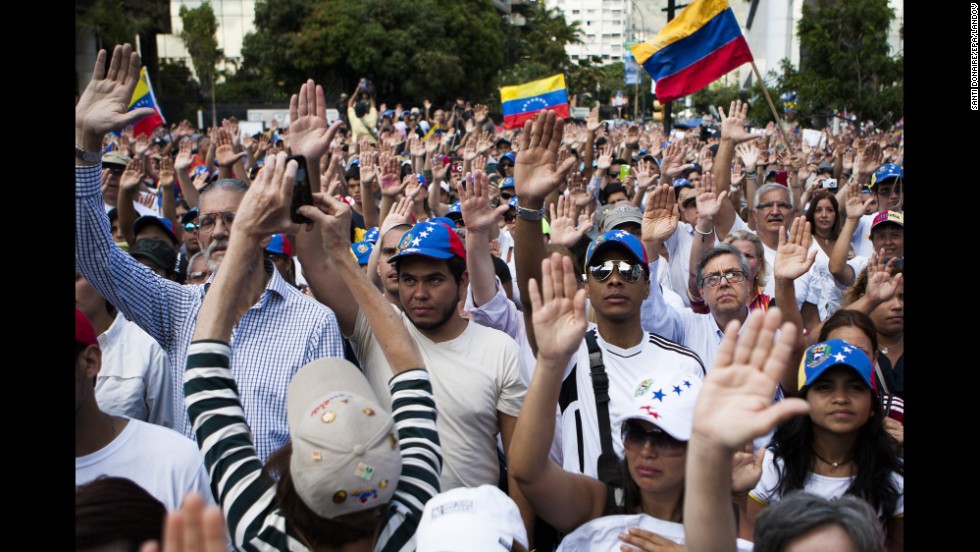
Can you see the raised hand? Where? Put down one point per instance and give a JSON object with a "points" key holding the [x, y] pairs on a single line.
{"points": [[484, 143], [400, 213], [416, 146], [167, 174], [474, 202], [733, 125], [577, 191], [536, 173], [391, 183], [184, 158], [746, 468], [201, 180], [735, 404], [705, 159], [265, 208], [480, 112], [559, 309], [709, 202], [412, 187], [853, 204], [738, 174], [792, 260], [881, 285], [564, 230], [645, 177], [869, 159], [192, 528], [133, 175], [104, 104], [605, 160], [308, 131], [592, 123], [369, 169], [332, 217], [432, 144], [660, 217], [224, 152]]}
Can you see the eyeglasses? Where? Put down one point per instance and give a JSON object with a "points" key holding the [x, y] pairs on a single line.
{"points": [[732, 276], [505, 195], [770, 204], [631, 272], [635, 438], [206, 222], [190, 227], [199, 276]]}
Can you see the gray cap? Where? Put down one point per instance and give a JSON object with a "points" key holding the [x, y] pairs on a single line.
{"points": [[611, 216], [115, 158]]}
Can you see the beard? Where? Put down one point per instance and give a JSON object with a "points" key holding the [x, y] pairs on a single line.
{"points": [[445, 316], [213, 264]]}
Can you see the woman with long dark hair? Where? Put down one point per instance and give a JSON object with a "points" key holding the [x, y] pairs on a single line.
{"points": [[841, 447]]}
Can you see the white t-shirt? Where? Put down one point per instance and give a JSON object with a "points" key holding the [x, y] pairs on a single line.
{"points": [[861, 240], [474, 376], [162, 461], [134, 380], [602, 534], [624, 367], [820, 485]]}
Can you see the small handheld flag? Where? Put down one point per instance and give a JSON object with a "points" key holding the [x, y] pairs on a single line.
{"points": [[143, 97], [522, 102]]}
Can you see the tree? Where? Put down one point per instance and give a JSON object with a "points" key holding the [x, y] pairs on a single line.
{"points": [[200, 28], [178, 93], [845, 62], [111, 23]]}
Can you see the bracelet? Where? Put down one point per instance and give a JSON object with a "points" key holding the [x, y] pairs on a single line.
{"points": [[87, 156], [708, 233], [530, 214], [751, 174]]}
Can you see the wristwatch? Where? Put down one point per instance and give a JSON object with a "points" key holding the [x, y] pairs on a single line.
{"points": [[88, 156], [530, 214]]}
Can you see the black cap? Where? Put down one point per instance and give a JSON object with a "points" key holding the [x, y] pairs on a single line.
{"points": [[159, 252]]}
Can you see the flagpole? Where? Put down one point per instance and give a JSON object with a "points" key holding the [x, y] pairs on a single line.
{"points": [[772, 108]]}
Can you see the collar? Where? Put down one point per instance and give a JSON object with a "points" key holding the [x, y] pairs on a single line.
{"points": [[275, 284], [110, 336]]}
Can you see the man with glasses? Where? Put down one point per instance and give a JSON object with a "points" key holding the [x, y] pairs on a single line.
{"points": [[197, 270], [283, 330]]}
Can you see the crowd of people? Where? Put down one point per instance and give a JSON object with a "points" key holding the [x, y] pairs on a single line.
{"points": [[566, 336]]}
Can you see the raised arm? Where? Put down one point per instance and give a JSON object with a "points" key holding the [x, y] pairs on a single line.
{"points": [[854, 209], [129, 184], [369, 175], [563, 499], [709, 204], [167, 199], [182, 165], [734, 406], [791, 262], [732, 133], [479, 217], [536, 175], [749, 152]]}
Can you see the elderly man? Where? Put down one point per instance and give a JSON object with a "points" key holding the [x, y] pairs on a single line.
{"points": [[284, 329]]}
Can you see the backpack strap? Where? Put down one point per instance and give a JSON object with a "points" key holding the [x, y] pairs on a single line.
{"points": [[607, 467]]}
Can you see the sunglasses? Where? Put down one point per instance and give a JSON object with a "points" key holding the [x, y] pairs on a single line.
{"points": [[635, 438], [631, 272]]}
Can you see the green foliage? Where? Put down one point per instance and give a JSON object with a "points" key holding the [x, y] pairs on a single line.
{"points": [[718, 94], [111, 23], [199, 37], [177, 85], [845, 61]]}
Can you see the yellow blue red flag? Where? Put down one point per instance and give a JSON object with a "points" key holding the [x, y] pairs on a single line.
{"points": [[143, 97], [524, 101], [697, 47]]}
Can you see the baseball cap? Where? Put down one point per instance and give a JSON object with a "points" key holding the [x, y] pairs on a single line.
{"points": [[685, 195], [455, 212], [509, 156], [159, 252], [502, 140], [189, 216], [84, 333], [446, 220], [116, 158], [835, 352], [665, 398], [372, 235], [825, 168], [507, 183], [885, 172], [885, 217], [682, 183], [512, 203], [617, 238], [345, 446], [470, 518], [168, 226], [611, 216], [362, 250], [430, 239], [279, 245]]}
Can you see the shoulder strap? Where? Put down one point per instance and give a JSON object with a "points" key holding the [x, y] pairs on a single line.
{"points": [[607, 467]]}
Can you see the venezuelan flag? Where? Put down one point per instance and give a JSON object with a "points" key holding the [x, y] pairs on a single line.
{"points": [[700, 45], [522, 102], [143, 97]]}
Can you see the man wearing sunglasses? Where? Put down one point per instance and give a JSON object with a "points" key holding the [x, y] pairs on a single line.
{"points": [[617, 282], [281, 332]]}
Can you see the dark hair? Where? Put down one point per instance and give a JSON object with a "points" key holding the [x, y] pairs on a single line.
{"points": [[319, 531], [812, 209], [610, 190], [353, 172], [360, 109], [845, 318], [632, 496], [800, 512], [874, 457], [114, 510]]}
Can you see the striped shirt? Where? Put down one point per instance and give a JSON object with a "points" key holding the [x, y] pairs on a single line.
{"points": [[276, 337], [249, 500]]}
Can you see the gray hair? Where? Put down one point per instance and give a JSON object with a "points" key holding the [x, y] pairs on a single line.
{"points": [[770, 187], [225, 184], [760, 252], [800, 512], [718, 250], [194, 257]]}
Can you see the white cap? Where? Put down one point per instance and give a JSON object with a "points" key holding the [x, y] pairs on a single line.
{"points": [[470, 519], [665, 399], [345, 446]]}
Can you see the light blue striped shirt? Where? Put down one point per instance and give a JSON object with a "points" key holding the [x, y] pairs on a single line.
{"points": [[275, 338]]}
